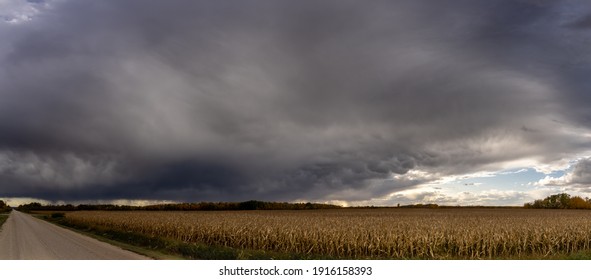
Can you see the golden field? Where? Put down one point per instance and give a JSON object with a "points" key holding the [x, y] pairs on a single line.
{"points": [[452, 233]]}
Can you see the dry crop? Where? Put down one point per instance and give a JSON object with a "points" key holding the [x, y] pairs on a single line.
{"points": [[368, 233]]}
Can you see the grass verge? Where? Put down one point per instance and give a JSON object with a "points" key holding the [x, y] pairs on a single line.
{"points": [[584, 255], [164, 248], [3, 218]]}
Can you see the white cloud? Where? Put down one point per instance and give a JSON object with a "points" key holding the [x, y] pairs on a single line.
{"points": [[577, 178], [491, 197], [20, 11]]}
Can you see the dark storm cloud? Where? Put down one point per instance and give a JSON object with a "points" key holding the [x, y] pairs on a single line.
{"points": [[281, 100], [581, 173], [582, 23]]}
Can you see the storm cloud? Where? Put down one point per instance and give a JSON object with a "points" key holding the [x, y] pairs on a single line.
{"points": [[286, 100]]}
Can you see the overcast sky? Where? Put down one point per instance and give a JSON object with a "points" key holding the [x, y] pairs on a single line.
{"points": [[457, 102]]}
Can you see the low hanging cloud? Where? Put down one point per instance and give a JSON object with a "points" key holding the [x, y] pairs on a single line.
{"points": [[285, 100]]}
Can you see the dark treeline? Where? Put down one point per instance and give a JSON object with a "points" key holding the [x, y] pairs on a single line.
{"points": [[201, 206], [557, 201], [4, 207], [420, 205], [430, 205], [560, 201]]}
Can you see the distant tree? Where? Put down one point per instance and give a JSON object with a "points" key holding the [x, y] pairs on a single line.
{"points": [[420, 205], [577, 202], [560, 201], [30, 207]]}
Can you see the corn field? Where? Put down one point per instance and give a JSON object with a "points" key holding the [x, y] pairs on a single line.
{"points": [[367, 233]]}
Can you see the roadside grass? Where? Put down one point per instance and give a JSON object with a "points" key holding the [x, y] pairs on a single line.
{"points": [[3, 218], [164, 248], [584, 255]]}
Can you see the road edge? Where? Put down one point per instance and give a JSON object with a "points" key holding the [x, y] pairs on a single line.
{"points": [[124, 246]]}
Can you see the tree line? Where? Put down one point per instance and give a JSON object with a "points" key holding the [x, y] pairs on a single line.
{"points": [[560, 201], [557, 201], [201, 206], [4, 207]]}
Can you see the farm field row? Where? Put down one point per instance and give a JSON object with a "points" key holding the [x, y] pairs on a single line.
{"points": [[364, 233]]}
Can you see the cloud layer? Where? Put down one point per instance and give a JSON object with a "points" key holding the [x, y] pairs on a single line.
{"points": [[576, 178], [286, 100]]}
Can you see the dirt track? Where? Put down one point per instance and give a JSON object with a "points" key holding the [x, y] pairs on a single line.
{"points": [[23, 237]]}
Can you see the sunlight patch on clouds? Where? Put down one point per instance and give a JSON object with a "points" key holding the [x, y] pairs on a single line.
{"points": [[491, 197], [16, 201], [128, 202], [438, 188], [456, 190], [577, 178]]}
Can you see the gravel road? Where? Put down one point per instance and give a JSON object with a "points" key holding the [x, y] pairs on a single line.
{"points": [[23, 237]]}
